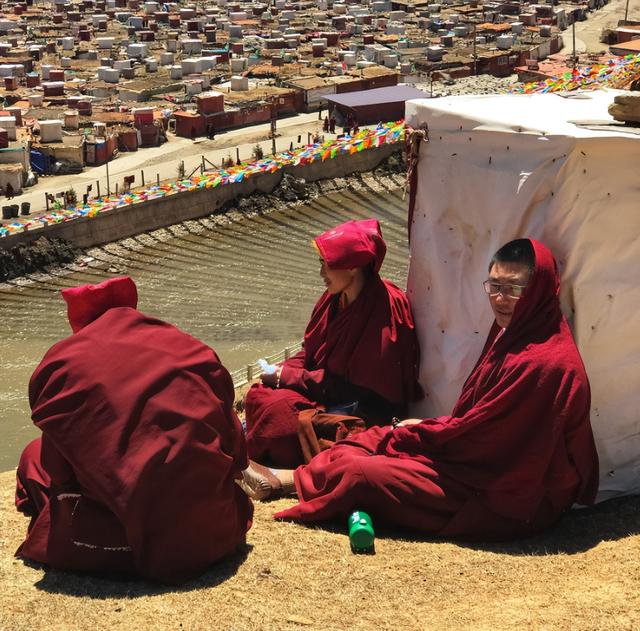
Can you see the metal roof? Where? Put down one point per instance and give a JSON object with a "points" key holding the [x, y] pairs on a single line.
{"points": [[391, 94]]}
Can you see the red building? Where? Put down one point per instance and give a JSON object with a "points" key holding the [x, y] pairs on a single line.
{"points": [[210, 102]]}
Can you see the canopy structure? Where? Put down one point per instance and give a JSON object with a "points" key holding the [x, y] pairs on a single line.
{"points": [[373, 106], [557, 169]]}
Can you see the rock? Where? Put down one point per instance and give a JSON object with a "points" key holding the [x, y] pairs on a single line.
{"points": [[288, 195], [27, 258], [291, 188], [608, 36], [395, 163], [626, 108], [481, 84]]}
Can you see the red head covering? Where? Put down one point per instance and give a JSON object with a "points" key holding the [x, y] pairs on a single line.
{"points": [[88, 302], [538, 311], [353, 244]]}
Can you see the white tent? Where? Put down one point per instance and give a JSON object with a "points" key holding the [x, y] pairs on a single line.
{"points": [[554, 168]]}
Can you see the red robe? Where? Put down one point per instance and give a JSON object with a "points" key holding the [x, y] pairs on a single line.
{"points": [[367, 351], [516, 451], [140, 447]]}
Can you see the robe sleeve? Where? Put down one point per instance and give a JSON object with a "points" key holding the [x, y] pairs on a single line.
{"points": [[309, 383], [498, 401], [295, 376]]}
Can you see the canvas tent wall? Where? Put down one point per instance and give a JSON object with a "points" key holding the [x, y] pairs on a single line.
{"points": [[497, 168]]}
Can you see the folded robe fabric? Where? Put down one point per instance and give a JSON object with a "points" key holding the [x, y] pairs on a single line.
{"points": [[140, 448], [318, 430], [516, 451], [367, 351]]}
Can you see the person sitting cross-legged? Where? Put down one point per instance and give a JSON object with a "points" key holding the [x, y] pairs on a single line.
{"points": [[359, 364], [514, 454]]}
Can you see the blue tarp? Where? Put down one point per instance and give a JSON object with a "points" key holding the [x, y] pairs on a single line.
{"points": [[40, 162]]}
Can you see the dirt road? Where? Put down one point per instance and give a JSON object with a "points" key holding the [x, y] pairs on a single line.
{"points": [[163, 161], [588, 32]]}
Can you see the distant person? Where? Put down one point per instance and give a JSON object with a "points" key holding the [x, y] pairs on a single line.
{"points": [[9, 192], [359, 365], [332, 125], [350, 124], [515, 453], [325, 125], [140, 446], [211, 132]]}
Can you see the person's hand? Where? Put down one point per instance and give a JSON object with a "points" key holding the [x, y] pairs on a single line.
{"points": [[409, 421], [271, 379]]}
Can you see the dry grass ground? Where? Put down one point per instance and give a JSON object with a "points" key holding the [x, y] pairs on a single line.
{"points": [[584, 574]]}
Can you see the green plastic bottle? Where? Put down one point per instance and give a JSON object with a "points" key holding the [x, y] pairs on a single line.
{"points": [[361, 534]]}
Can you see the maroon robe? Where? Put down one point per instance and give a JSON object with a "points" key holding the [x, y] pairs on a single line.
{"points": [[140, 447], [516, 451], [365, 352]]}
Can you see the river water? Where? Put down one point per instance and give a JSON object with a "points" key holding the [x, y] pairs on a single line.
{"points": [[245, 288]]}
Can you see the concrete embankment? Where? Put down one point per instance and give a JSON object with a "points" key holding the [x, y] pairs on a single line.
{"points": [[126, 221], [32, 251]]}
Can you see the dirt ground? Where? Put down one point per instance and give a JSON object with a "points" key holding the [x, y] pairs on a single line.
{"points": [[581, 575], [588, 32]]}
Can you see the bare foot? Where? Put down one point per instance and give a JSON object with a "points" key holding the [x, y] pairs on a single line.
{"points": [[259, 483]]}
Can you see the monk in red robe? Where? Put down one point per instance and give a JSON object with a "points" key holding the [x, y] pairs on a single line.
{"points": [[359, 363], [140, 446], [515, 453]]}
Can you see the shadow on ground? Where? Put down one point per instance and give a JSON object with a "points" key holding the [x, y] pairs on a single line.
{"points": [[577, 531], [92, 586]]}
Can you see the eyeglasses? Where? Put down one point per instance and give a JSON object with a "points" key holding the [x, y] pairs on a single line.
{"points": [[512, 291]]}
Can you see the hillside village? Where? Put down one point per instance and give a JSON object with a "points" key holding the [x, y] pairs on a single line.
{"points": [[85, 80]]}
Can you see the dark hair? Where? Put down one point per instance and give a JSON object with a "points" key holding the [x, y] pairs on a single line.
{"points": [[516, 251]]}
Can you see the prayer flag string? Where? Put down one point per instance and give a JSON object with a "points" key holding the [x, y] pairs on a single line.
{"points": [[616, 73], [384, 133]]}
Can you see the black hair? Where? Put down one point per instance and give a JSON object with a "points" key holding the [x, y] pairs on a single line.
{"points": [[516, 251]]}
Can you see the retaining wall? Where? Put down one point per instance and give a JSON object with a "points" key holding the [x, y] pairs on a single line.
{"points": [[127, 221]]}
